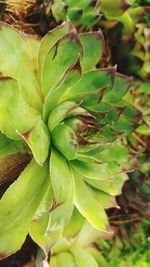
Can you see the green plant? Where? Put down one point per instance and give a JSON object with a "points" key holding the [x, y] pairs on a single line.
{"points": [[56, 106], [86, 13], [77, 250], [132, 34], [136, 194], [130, 248]]}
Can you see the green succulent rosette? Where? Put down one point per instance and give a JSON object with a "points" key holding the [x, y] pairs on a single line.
{"points": [[84, 13], [136, 192], [140, 54], [56, 106], [76, 253], [131, 51], [77, 249], [87, 13]]}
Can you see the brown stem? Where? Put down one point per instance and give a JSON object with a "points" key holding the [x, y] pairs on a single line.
{"points": [[11, 166]]}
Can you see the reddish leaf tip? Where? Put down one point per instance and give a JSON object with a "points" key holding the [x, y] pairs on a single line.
{"points": [[125, 5]]}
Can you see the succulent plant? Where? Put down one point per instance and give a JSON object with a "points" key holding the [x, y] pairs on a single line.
{"points": [[83, 13], [56, 106], [140, 54], [136, 192], [131, 51], [79, 250], [87, 13]]}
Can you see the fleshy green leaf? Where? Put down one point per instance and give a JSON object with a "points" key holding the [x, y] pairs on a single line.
{"points": [[98, 257], [53, 262], [82, 239], [108, 175], [59, 10], [91, 82], [65, 140], [10, 147], [114, 9], [65, 259], [120, 88], [81, 256], [93, 45], [15, 113], [106, 200], [38, 139], [33, 44], [58, 96], [116, 152], [74, 14], [74, 225], [58, 61], [61, 245], [40, 223], [87, 205], [60, 215], [61, 177], [59, 113], [17, 63], [111, 186], [50, 39], [89, 19], [18, 206]]}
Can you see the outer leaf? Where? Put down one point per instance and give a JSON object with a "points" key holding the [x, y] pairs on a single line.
{"points": [[57, 96], [13, 49], [114, 9], [65, 259], [74, 14], [90, 82], [90, 18], [33, 44], [107, 177], [58, 61], [98, 257], [93, 45], [10, 147], [59, 10], [60, 216], [74, 88], [106, 200], [124, 125], [84, 240], [112, 186], [116, 152], [74, 225], [38, 139], [87, 205], [61, 177], [18, 205], [50, 39], [40, 223], [15, 113], [68, 144], [53, 262], [96, 171], [82, 255], [120, 88]]}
